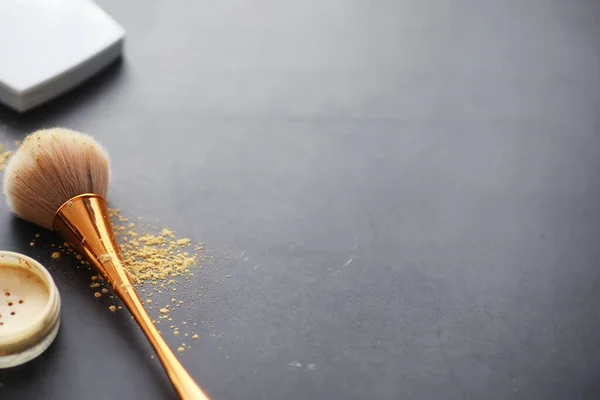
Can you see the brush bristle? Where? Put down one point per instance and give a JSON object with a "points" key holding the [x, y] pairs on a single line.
{"points": [[51, 167]]}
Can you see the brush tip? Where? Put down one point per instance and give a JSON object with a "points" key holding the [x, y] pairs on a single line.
{"points": [[51, 167]]}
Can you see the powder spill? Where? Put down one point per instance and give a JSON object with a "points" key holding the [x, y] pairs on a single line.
{"points": [[183, 242], [4, 156], [152, 257]]}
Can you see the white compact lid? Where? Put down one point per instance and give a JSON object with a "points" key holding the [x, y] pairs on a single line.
{"points": [[49, 46]]}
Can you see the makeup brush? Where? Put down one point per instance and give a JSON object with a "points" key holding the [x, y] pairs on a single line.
{"points": [[58, 179]]}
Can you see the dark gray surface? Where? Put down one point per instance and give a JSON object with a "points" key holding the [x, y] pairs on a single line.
{"points": [[414, 186]]}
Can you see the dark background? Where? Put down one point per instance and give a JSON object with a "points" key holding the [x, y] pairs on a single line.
{"points": [[406, 193]]}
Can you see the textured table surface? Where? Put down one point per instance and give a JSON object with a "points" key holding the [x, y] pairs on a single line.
{"points": [[407, 191]]}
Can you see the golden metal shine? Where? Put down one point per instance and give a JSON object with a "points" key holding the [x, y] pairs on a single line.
{"points": [[84, 222]]}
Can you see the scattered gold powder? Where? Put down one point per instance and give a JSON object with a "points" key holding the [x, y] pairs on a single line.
{"points": [[32, 244], [164, 311], [95, 277], [93, 285], [97, 294], [112, 308], [183, 242], [56, 255], [37, 235], [176, 333], [152, 257], [151, 240], [4, 156], [195, 336], [105, 290], [180, 349], [149, 301]]}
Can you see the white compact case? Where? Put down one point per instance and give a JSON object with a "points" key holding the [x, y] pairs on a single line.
{"points": [[29, 309], [49, 46]]}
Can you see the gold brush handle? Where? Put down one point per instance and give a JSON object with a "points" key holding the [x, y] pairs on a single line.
{"points": [[85, 223], [182, 381]]}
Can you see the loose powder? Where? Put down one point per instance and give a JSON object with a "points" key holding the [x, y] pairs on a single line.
{"points": [[4, 156], [153, 257], [4, 152], [158, 260], [23, 296]]}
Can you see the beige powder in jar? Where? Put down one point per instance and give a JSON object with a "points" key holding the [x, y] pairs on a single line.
{"points": [[23, 297]]}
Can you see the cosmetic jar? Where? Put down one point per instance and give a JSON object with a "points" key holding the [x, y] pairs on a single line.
{"points": [[29, 309]]}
